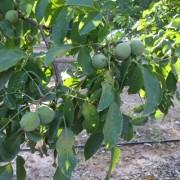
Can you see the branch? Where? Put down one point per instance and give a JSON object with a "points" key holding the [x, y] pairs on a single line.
{"points": [[64, 60], [46, 41], [32, 22], [107, 45]]}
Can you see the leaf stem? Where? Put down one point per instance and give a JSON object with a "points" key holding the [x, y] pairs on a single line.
{"points": [[46, 41], [10, 120]]}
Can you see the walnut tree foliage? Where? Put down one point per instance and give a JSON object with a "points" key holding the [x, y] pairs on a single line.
{"points": [[33, 110]]}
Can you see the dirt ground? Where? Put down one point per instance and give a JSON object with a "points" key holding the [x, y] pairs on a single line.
{"points": [[140, 162]]}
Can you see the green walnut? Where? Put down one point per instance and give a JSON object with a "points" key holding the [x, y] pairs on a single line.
{"points": [[12, 16], [46, 114], [123, 50], [30, 121], [137, 47], [99, 61]]}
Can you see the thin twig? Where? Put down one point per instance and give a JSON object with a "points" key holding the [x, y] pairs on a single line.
{"points": [[41, 28], [11, 119], [48, 46], [32, 22]]}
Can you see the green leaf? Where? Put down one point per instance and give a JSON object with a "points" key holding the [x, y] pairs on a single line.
{"points": [[176, 68], [84, 60], [3, 111], [85, 3], [139, 108], [9, 147], [127, 132], [158, 115], [10, 57], [93, 144], [26, 7], [175, 23], [6, 172], [153, 91], [6, 29], [124, 69], [4, 77], [4, 156], [41, 9], [171, 82], [74, 34], [12, 144], [6, 5], [91, 117], [10, 101], [107, 96], [178, 95], [67, 163], [77, 126], [166, 102], [91, 23], [139, 121], [113, 126], [20, 170], [34, 136], [69, 111], [95, 96], [17, 81], [60, 26], [56, 52], [71, 82], [65, 142], [115, 158], [64, 145], [54, 126], [135, 80], [59, 175]]}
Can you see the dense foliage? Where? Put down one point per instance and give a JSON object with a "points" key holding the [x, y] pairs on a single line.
{"points": [[103, 36]]}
